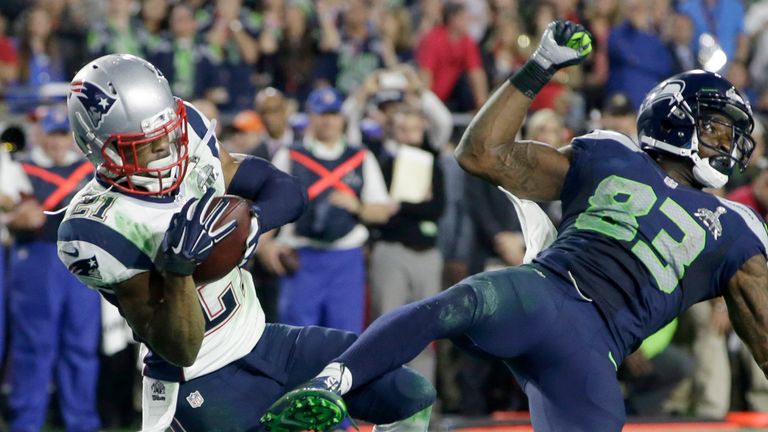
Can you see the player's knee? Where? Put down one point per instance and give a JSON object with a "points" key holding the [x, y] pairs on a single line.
{"points": [[416, 391], [399, 395], [475, 297]]}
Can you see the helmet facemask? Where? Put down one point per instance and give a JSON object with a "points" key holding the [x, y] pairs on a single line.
{"points": [[125, 155], [726, 133]]}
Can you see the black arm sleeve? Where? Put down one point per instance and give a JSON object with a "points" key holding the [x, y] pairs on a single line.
{"points": [[278, 198]]}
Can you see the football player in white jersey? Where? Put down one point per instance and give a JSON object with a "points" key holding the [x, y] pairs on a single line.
{"points": [[137, 231]]}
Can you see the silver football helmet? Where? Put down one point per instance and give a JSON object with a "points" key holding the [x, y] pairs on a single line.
{"points": [[118, 105]]}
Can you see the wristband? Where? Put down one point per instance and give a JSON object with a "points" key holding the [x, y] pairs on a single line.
{"points": [[530, 78], [174, 264]]}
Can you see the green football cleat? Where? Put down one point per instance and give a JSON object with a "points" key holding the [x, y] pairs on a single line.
{"points": [[305, 409]]}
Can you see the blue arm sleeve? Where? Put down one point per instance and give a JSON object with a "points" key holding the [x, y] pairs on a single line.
{"points": [[278, 198]]}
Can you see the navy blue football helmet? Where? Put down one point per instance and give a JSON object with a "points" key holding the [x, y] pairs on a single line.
{"points": [[677, 115]]}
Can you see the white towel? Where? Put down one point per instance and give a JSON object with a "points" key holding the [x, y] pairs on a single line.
{"points": [[537, 229], [158, 404]]}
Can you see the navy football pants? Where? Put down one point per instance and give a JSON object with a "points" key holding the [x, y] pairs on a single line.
{"points": [[555, 343], [237, 395], [55, 328]]}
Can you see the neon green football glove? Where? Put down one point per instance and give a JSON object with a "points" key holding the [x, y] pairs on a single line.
{"points": [[563, 44]]}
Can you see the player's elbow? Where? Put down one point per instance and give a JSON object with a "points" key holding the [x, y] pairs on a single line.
{"points": [[294, 194], [471, 161], [302, 201], [178, 348], [183, 355], [186, 360]]}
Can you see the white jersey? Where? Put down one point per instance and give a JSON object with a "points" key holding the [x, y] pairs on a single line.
{"points": [[108, 237]]}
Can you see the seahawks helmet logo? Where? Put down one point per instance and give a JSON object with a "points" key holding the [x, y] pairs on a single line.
{"points": [[94, 99]]}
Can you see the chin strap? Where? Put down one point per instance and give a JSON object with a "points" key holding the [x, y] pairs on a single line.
{"points": [[705, 174]]}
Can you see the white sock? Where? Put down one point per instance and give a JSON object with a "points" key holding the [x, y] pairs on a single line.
{"points": [[339, 372]]}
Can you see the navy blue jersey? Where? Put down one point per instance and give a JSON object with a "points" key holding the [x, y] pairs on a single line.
{"points": [[643, 247]]}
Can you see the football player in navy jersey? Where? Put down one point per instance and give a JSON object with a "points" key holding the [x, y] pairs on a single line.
{"points": [[137, 231], [639, 243]]}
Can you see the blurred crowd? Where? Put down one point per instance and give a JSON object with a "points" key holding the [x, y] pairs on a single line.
{"points": [[365, 98]]}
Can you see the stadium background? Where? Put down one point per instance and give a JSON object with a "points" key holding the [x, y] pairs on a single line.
{"points": [[377, 53]]}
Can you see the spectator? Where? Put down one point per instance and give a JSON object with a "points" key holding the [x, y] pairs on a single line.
{"points": [[232, 32], [568, 10], [345, 189], [274, 110], [117, 33], [738, 75], [680, 41], [601, 17], [40, 61], [547, 126], [248, 130], [154, 24], [653, 372], [357, 53], [210, 112], [185, 59], [503, 53], [13, 186], [450, 62], [478, 18], [619, 115], [405, 264], [54, 318], [397, 38], [637, 56], [723, 20], [755, 194], [558, 94], [455, 237], [756, 28], [291, 66], [70, 21], [272, 17], [427, 14], [9, 58], [383, 91], [711, 380], [498, 242], [757, 163]]}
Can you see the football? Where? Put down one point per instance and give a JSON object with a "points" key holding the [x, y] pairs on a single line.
{"points": [[228, 252]]}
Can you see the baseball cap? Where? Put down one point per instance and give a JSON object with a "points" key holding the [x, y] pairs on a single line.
{"points": [[324, 100], [382, 97], [248, 121], [55, 120], [618, 105]]}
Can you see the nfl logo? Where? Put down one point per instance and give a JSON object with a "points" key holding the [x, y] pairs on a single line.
{"points": [[195, 399]]}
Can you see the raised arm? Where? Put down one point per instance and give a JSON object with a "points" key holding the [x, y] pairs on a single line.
{"points": [[488, 148], [747, 299]]}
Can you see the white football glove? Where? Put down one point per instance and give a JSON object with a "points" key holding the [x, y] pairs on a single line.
{"points": [[563, 43]]}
